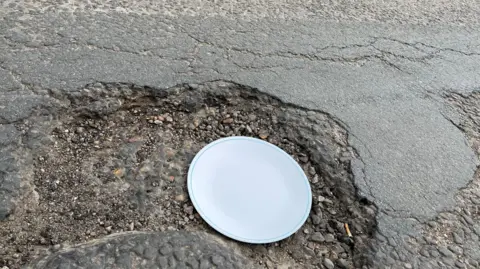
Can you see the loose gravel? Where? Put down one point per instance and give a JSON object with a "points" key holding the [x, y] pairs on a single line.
{"points": [[112, 158]]}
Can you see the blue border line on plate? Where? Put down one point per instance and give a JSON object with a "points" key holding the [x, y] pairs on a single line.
{"points": [[213, 225]]}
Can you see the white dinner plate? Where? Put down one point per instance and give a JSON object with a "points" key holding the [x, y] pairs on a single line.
{"points": [[249, 190]]}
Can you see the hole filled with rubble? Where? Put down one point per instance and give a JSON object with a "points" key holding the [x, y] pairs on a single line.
{"points": [[111, 158]]}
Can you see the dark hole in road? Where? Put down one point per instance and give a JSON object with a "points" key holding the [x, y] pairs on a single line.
{"points": [[114, 158]]}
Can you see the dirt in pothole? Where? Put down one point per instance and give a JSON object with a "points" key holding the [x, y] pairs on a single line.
{"points": [[115, 159]]}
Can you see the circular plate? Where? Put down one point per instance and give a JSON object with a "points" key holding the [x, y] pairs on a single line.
{"points": [[249, 190]]}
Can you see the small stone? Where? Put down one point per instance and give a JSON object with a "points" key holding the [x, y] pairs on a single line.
{"points": [[315, 179], [457, 238], [392, 242], [321, 198], [329, 238], [169, 119], [180, 198], [228, 121], [263, 134], [303, 159], [370, 211], [252, 117], [249, 129], [218, 260], [408, 266], [132, 226], [342, 263], [448, 261], [445, 252], [459, 264], [189, 210], [158, 122], [108, 229], [306, 231], [328, 263], [317, 237], [316, 219], [476, 229], [455, 249], [424, 253]]}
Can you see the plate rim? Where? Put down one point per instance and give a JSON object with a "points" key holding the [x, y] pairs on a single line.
{"points": [[227, 234]]}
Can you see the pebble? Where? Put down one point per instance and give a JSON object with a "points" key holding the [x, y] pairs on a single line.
{"points": [[228, 121], [189, 210], [263, 134], [468, 219], [459, 264], [455, 249], [306, 231], [169, 119], [445, 252], [317, 237], [458, 237], [303, 159], [328, 263], [180, 198], [329, 238], [343, 264], [316, 219]]}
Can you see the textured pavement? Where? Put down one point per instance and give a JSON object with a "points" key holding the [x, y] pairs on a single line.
{"points": [[384, 75]]}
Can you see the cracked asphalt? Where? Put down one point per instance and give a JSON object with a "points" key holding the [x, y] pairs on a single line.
{"points": [[383, 69]]}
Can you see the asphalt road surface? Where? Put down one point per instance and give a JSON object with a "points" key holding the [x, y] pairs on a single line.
{"points": [[386, 69]]}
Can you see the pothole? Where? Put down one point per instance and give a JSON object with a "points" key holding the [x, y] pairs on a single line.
{"points": [[113, 158]]}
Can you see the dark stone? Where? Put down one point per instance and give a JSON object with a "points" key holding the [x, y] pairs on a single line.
{"points": [[329, 238], [317, 237], [6, 208], [316, 219]]}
